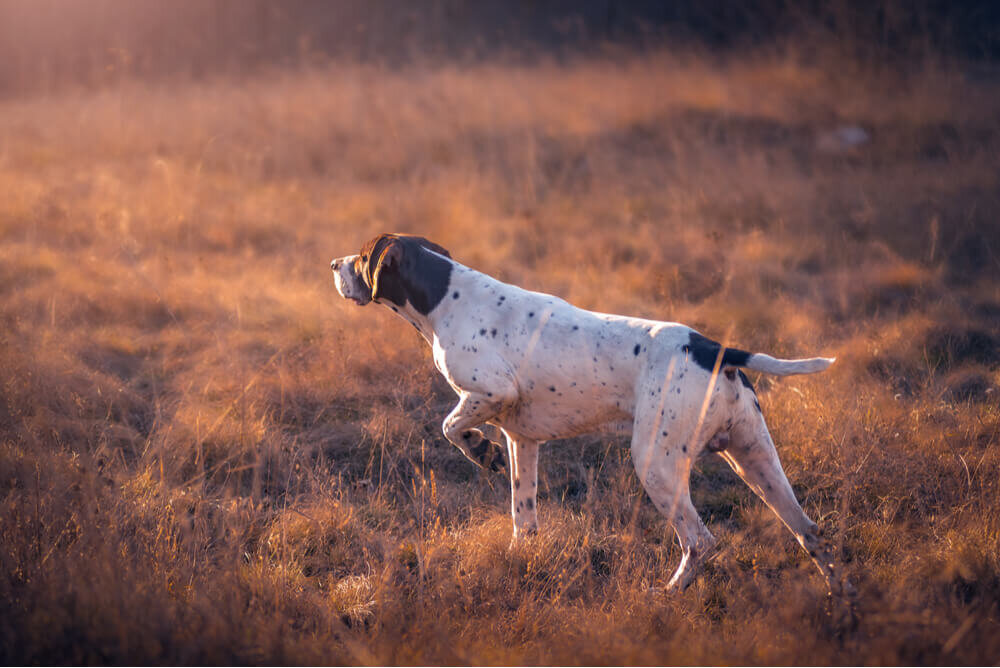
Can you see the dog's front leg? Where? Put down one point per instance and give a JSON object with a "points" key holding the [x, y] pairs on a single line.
{"points": [[523, 455], [474, 409]]}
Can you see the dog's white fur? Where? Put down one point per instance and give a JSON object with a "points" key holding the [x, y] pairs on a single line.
{"points": [[539, 368]]}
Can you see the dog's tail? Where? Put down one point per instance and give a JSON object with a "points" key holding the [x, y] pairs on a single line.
{"points": [[709, 354], [780, 367]]}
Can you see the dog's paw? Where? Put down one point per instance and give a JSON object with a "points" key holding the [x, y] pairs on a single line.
{"points": [[484, 452]]}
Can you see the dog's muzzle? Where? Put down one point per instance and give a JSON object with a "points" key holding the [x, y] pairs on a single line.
{"points": [[347, 286]]}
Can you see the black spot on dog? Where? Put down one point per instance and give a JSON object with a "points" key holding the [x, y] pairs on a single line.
{"points": [[746, 381], [635, 351], [493, 333], [454, 295], [552, 388], [529, 503], [706, 352], [517, 483], [730, 373], [531, 314], [684, 448]]}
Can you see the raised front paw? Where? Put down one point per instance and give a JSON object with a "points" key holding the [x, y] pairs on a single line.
{"points": [[484, 452]]}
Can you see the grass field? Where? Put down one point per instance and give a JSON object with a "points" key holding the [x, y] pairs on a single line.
{"points": [[208, 456]]}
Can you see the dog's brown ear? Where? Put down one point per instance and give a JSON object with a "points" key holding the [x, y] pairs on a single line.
{"points": [[387, 258]]}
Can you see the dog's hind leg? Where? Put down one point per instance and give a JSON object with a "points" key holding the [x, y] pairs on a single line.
{"points": [[664, 467], [752, 455]]}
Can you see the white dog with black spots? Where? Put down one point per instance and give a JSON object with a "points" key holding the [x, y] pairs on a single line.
{"points": [[540, 368]]}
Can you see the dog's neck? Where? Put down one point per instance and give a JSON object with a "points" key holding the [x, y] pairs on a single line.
{"points": [[430, 286], [462, 284], [407, 312]]}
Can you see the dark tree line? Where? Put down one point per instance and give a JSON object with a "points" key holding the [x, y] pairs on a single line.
{"points": [[47, 43]]}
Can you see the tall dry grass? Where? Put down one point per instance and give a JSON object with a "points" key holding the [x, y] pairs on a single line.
{"points": [[206, 456]]}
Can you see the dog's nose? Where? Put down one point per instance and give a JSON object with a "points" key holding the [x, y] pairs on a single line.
{"points": [[335, 265]]}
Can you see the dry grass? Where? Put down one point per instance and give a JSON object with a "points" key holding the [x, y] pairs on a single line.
{"points": [[206, 456]]}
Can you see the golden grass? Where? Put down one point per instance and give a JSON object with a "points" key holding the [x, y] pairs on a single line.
{"points": [[206, 456]]}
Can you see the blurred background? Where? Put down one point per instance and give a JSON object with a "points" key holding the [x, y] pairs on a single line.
{"points": [[207, 456], [48, 43]]}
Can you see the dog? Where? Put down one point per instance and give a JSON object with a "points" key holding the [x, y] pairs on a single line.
{"points": [[540, 368]]}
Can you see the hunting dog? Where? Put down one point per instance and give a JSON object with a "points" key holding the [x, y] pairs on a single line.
{"points": [[539, 368]]}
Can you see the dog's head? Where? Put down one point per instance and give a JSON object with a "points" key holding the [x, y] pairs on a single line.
{"points": [[398, 268]]}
